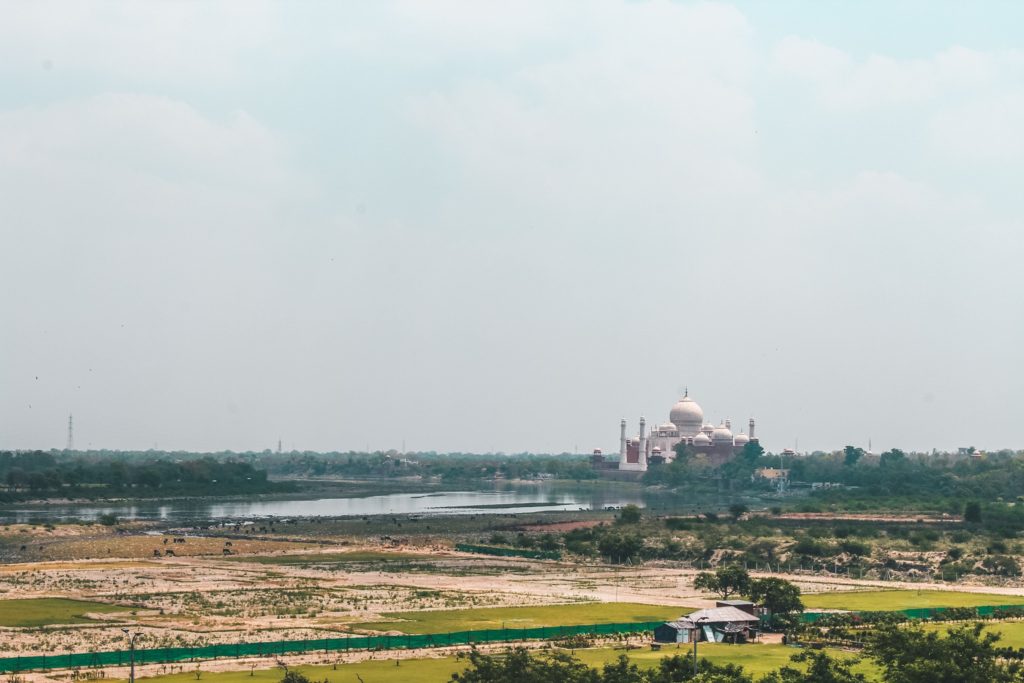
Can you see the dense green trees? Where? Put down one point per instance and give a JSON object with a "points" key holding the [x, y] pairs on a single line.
{"points": [[904, 654], [519, 665], [39, 473], [818, 667], [965, 654]]}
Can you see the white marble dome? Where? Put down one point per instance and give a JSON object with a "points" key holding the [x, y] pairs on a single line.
{"points": [[687, 415]]}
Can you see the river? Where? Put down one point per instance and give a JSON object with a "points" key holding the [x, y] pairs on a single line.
{"points": [[521, 499]]}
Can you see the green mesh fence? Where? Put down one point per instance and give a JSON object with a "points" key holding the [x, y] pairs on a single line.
{"points": [[324, 645], [924, 612]]}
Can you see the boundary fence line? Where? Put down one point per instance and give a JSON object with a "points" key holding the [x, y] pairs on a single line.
{"points": [[167, 655]]}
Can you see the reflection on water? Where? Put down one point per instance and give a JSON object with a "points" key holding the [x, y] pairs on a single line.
{"points": [[533, 499]]}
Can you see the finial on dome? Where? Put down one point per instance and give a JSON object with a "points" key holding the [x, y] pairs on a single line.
{"points": [[686, 391]]}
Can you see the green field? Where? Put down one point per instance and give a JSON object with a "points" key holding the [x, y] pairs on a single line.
{"points": [[47, 611], [448, 621], [1012, 632], [871, 601], [756, 659], [333, 558]]}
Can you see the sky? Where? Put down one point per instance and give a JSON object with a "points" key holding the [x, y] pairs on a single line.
{"points": [[503, 227]]}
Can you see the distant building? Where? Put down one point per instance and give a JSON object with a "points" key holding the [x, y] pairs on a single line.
{"points": [[686, 425], [732, 621]]}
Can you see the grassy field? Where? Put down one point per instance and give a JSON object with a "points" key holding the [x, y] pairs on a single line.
{"points": [[1012, 632], [756, 659], [333, 558], [446, 621], [895, 600], [47, 611]]}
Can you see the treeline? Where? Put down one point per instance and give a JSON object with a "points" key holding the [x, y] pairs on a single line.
{"points": [[855, 479], [898, 654], [41, 474], [447, 466]]}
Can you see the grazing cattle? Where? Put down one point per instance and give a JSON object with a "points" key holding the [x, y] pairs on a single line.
{"points": [[165, 541], [169, 552], [156, 552], [24, 547], [227, 543], [227, 551]]}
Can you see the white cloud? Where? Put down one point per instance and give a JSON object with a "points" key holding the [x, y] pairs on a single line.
{"points": [[145, 43], [664, 117], [983, 130], [844, 83]]}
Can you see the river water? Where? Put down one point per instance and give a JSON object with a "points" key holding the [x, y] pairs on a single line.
{"points": [[525, 499]]}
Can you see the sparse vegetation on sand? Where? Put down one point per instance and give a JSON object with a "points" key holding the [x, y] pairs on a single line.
{"points": [[335, 558], [450, 621]]}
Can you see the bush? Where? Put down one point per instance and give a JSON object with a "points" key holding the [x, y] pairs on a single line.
{"points": [[630, 515]]}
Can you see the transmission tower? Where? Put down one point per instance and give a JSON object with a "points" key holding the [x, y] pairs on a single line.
{"points": [[71, 433]]}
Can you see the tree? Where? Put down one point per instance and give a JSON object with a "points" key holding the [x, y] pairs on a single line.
{"points": [[294, 677], [737, 510], [725, 581], [752, 452], [851, 454], [962, 655], [518, 664], [620, 547], [820, 668], [972, 512], [892, 458], [676, 668], [780, 597], [630, 515]]}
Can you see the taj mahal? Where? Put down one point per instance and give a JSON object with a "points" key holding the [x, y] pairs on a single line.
{"points": [[685, 425]]}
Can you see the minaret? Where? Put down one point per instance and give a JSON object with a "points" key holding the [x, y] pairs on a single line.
{"points": [[751, 434], [71, 433], [642, 456], [728, 424], [622, 441]]}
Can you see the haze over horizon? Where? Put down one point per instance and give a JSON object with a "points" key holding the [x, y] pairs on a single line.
{"points": [[505, 226]]}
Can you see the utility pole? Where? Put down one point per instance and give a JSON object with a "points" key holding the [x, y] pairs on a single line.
{"points": [[71, 433], [131, 647]]}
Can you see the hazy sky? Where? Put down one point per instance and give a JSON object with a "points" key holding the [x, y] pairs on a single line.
{"points": [[503, 226]]}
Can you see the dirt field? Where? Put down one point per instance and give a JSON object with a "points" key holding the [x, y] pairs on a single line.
{"points": [[308, 581]]}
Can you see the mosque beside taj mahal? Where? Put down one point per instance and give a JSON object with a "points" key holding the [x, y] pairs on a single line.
{"points": [[685, 425]]}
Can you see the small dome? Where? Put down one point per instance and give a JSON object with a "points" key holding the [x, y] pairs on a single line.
{"points": [[707, 429], [702, 439], [741, 440], [721, 434], [667, 427], [656, 449]]}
